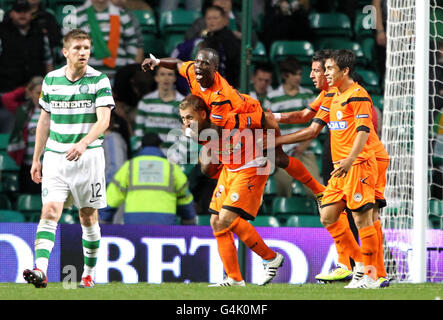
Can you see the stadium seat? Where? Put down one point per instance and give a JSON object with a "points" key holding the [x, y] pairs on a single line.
{"points": [[378, 101], [316, 147], [10, 182], [362, 25], [336, 44], [266, 221], [7, 163], [172, 41], [304, 221], [332, 24], [203, 220], [5, 202], [370, 81], [436, 213], [30, 205], [301, 50], [153, 45], [259, 53], [298, 189], [147, 21], [4, 139], [177, 21], [11, 216], [293, 205]]}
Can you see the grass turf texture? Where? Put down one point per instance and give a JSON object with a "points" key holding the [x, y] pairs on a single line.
{"points": [[200, 291]]}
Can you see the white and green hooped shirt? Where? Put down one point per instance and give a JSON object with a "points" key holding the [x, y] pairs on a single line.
{"points": [[72, 106]]}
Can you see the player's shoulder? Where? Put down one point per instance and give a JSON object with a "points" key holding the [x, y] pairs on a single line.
{"points": [[151, 95], [359, 91]]}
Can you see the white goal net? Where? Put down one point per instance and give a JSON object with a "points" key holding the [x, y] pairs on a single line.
{"points": [[399, 126]]}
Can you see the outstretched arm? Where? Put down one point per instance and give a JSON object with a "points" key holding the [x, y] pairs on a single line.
{"points": [[169, 63], [295, 117], [305, 134]]}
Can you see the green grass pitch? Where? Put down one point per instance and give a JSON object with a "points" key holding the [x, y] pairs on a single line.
{"points": [[200, 291]]}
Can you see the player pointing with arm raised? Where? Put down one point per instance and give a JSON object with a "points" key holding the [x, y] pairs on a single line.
{"points": [[228, 108], [76, 101]]}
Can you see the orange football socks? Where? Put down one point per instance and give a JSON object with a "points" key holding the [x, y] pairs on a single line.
{"points": [[343, 257], [381, 271], [250, 237], [228, 254], [344, 239], [298, 171]]}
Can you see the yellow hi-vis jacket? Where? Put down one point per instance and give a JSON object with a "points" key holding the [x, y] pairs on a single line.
{"points": [[153, 190]]}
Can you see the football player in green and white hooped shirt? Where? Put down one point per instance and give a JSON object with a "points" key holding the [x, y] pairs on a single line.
{"points": [[94, 17], [76, 103]]}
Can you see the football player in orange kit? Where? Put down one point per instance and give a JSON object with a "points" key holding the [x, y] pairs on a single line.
{"points": [[343, 270], [228, 108], [353, 184], [237, 196]]}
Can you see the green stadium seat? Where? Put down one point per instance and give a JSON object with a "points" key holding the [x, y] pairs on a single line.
{"points": [[378, 101], [436, 213], [204, 220], [293, 205], [10, 182], [172, 41], [177, 21], [4, 139], [154, 45], [316, 147], [11, 216], [368, 47], [336, 44], [5, 202], [266, 221], [332, 24], [304, 221], [301, 50], [362, 25], [259, 53], [30, 205], [7, 163], [147, 21], [370, 79]]}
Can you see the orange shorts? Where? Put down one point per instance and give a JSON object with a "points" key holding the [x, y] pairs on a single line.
{"points": [[357, 188], [239, 191], [380, 184]]}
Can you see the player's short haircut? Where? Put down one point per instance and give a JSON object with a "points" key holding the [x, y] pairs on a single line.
{"points": [[77, 34], [215, 58], [290, 65], [344, 58], [321, 56], [195, 102], [263, 66]]}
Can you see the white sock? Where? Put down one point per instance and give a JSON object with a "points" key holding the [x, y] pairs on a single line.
{"points": [[91, 243], [44, 242]]}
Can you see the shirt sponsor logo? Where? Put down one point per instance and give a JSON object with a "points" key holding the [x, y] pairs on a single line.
{"points": [[71, 104], [337, 125]]}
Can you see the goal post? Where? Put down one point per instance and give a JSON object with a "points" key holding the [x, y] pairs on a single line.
{"points": [[413, 135]]}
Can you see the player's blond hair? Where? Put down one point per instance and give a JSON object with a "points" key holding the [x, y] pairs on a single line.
{"points": [[194, 102], [77, 34]]}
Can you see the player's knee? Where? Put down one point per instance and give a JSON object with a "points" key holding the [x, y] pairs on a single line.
{"points": [[88, 216], [51, 211]]}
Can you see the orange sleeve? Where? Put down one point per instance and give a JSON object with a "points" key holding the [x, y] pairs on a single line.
{"points": [[315, 105], [187, 72], [362, 108]]}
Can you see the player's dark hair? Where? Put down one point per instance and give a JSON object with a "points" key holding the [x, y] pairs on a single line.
{"points": [[195, 102], [321, 56], [215, 8], [290, 65], [344, 58], [263, 66]]}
